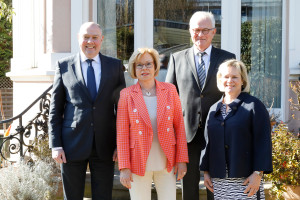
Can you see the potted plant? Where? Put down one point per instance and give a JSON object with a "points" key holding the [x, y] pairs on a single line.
{"points": [[286, 163]]}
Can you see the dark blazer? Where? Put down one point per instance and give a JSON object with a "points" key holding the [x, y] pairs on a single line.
{"points": [[74, 119], [194, 100], [242, 139]]}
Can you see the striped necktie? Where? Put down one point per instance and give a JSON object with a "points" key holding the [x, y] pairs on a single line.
{"points": [[201, 69], [91, 81]]}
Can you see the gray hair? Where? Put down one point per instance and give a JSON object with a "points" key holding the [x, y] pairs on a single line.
{"points": [[203, 15]]}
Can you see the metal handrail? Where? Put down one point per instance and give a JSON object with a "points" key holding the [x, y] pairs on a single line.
{"points": [[39, 123], [32, 104]]}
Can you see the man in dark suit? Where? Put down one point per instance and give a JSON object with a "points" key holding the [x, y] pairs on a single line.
{"points": [[193, 71], [82, 126]]}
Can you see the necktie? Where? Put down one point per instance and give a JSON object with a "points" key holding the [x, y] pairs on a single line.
{"points": [[91, 82], [201, 69]]}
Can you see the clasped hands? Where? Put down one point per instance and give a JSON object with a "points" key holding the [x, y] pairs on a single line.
{"points": [[253, 182]]}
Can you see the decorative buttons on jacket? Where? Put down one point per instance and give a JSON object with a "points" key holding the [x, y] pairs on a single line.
{"points": [[168, 129], [137, 121], [169, 118], [222, 124], [134, 110], [168, 107], [140, 132]]}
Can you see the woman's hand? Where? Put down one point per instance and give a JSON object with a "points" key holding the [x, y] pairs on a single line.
{"points": [[180, 170], [207, 182], [126, 177], [253, 182]]}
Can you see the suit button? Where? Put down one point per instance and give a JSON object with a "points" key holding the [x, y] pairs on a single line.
{"points": [[140, 132], [234, 107], [201, 95], [134, 110], [168, 107], [226, 146], [94, 108], [169, 118], [222, 124], [168, 129], [137, 121], [92, 124]]}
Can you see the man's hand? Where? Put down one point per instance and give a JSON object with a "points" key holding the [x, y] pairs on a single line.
{"points": [[126, 177], [180, 170], [115, 156], [59, 156], [207, 182]]}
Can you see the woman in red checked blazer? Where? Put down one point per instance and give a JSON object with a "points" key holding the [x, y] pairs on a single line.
{"points": [[150, 131]]}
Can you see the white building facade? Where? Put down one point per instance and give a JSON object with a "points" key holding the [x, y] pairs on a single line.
{"points": [[262, 33]]}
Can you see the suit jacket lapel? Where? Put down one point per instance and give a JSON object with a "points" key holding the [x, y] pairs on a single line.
{"points": [[212, 64], [138, 99], [161, 94], [104, 73], [191, 63], [76, 66]]}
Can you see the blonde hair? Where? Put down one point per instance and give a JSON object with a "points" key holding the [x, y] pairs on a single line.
{"points": [[240, 66], [137, 55]]}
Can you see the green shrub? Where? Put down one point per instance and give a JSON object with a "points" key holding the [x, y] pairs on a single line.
{"points": [[6, 53]]}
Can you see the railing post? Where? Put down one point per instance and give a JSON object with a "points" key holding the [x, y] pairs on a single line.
{"points": [[21, 137]]}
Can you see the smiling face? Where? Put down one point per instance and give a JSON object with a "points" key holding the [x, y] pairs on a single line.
{"points": [[200, 40], [231, 81], [144, 68], [90, 39]]}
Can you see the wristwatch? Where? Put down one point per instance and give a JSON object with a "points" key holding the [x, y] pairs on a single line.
{"points": [[260, 173]]}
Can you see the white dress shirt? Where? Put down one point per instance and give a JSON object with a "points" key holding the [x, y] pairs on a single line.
{"points": [[97, 68], [206, 57]]}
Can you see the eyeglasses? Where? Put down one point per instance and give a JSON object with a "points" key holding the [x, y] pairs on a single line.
{"points": [[148, 65], [204, 31]]}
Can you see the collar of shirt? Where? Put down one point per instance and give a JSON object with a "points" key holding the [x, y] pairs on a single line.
{"points": [[96, 66], [206, 57], [83, 58]]}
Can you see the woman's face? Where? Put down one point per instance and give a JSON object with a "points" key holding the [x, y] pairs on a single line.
{"points": [[144, 68], [232, 81]]}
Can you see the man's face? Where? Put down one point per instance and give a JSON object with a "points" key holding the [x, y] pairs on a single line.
{"points": [[90, 40], [197, 30]]}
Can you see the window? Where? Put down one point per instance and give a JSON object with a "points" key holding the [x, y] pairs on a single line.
{"points": [[261, 44], [171, 23], [116, 19]]}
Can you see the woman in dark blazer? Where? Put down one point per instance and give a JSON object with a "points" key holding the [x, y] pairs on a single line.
{"points": [[238, 138]]}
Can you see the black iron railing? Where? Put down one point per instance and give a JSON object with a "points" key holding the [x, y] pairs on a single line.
{"points": [[17, 142]]}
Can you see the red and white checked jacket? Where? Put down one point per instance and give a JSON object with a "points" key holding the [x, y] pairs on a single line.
{"points": [[134, 130]]}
